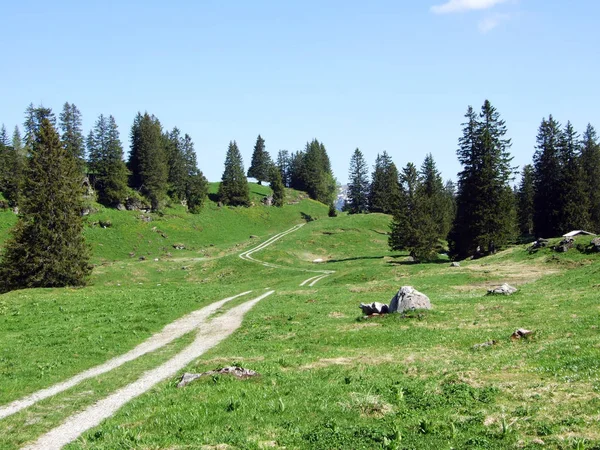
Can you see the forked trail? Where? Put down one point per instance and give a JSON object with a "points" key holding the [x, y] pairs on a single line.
{"points": [[247, 256]]}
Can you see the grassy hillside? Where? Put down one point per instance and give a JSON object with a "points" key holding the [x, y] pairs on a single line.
{"points": [[329, 378]]}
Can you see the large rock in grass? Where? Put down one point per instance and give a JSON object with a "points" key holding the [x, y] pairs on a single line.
{"points": [[409, 298], [505, 289], [595, 244]]}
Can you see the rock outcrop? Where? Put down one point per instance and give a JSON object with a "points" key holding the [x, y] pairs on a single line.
{"points": [[408, 298]]}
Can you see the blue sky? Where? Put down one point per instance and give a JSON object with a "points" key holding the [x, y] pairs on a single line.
{"points": [[379, 75]]}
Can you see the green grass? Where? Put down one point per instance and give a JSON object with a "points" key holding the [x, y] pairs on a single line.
{"points": [[329, 379]]}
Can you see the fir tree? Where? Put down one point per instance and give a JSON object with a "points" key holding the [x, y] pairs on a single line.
{"points": [[72, 136], [433, 189], [233, 189], [574, 205], [148, 160], [47, 248], [413, 226], [590, 162], [277, 187], [11, 167], [358, 188], [33, 120], [283, 164], [178, 170], [297, 172], [486, 215], [547, 174], [384, 193], [261, 162], [196, 183], [107, 168], [319, 180], [525, 201]]}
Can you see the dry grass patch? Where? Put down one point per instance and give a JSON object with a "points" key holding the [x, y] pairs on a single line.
{"points": [[368, 405]]}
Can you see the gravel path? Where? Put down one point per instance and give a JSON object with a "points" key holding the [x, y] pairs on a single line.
{"points": [[168, 334], [209, 335], [247, 256]]}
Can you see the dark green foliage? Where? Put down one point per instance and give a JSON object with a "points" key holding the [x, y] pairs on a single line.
{"points": [[72, 135], [47, 248], [148, 160], [32, 124], [107, 169], [332, 211], [297, 171], [574, 206], [178, 170], [485, 213], [319, 180], [525, 198], [196, 183], [384, 194], [233, 189], [277, 187], [261, 163], [283, 164], [358, 188], [590, 163], [414, 227], [442, 208], [547, 173]]}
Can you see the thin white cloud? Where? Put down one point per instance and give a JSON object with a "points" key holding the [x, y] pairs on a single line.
{"points": [[454, 6], [488, 23]]}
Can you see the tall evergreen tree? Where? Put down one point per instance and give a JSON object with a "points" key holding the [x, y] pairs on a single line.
{"points": [[277, 187], [72, 135], [196, 182], [433, 189], [319, 180], [148, 160], [358, 188], [47, 248], [413, 226], [486, 212], [297, 171], [525, 201], [178, 170], [384, 194], [590, 161], [547, 175], [283, 164], [33, 120], [233, 189], [574, 203], [107, 168], [261, 162], [11, 167]]}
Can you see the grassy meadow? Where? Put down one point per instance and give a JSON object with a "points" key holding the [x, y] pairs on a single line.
{"points": [[328, 377]]}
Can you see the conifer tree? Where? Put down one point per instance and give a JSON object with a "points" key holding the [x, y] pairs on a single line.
{"points": [[11, 166], [283, 164], [178, 170], [433, 189], [33, 120], [319, 180], [196, 182], [297, 172], [277, 187], [486, 214], [148, 160], [547, 175], [233, 189], [72, 135], [413, 226], [384, 194], [525, 201], [358, 188], [574, 203], [590, 162], [261, 162], [47, 248], [107, 168]]}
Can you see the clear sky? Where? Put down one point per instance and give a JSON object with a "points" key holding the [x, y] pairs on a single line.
{"points": [[393, 75]]}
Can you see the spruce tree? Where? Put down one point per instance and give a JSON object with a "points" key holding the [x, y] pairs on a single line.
{"points": [[72, 136], [283, 164], [486, 214], [433, 189], [277, 187], [547, 173], [574, 203], [47, 247], [261, 162], [233, 189], [358, 188], [178, 171], [106, 166], [196, 184], [297, 171], [525, 201], [413, 226], [319, 180], [11, 166], [590, 162], [384, 194], [148, 160]]}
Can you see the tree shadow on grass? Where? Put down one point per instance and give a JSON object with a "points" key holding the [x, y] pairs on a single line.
{"points": [[356, 258], [410, 263]]}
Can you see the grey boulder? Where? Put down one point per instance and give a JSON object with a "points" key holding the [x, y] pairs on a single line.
{"points": [[409, 298], [505, 289]]}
